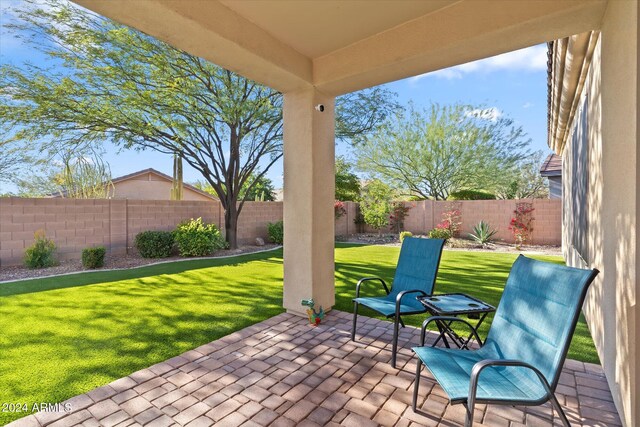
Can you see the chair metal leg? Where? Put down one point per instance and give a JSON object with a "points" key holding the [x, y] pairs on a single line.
{"points": [[471, 400], [402, 323], [394, 349], [416, 385], [558, 408], [355, 321], [468, 422]]}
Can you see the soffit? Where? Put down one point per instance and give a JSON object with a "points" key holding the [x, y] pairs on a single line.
{"points": [[570, 61], [316, 28], [359, 43]]}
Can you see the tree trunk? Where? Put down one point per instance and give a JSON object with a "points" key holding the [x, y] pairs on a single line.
{"points": [[231, 225]]}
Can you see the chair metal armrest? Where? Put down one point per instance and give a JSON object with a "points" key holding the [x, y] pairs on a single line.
{"points": [[481, 365], [402, 294], [367, 279], [475, 376], [426, 323]]}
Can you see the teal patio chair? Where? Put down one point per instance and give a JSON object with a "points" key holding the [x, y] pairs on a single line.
{"points": [[415, 275], [521, 360]]}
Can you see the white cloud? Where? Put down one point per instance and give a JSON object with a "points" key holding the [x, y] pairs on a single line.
{"points": [[527, 105], [491, 113], [530, 59]]}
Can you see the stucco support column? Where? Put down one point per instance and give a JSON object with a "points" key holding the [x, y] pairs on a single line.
{"points": [[309, 157]]}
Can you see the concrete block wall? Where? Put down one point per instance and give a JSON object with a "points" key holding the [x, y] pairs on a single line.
{"points": [[425, 215], [76, 224], [254, 218], [344, 225], [142, 215], [72, 224]]}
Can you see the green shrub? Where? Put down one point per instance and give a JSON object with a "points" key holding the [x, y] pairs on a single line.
{"points": [[195, 238], [155, 244], [404, 234], [471, 195], [42, 253], [276, 232], [482, 233], [93, 257], [440, 233], [376, 204]]}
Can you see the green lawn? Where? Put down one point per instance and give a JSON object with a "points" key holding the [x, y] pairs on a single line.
{"points": [[64, 336]]}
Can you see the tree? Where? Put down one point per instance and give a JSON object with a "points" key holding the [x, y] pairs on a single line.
{"points": [[526, 181], [443, 149], [376, 204], [86, 178], [347, 182], [110, 82], [263, 190], [15, 159], [71, 175]]}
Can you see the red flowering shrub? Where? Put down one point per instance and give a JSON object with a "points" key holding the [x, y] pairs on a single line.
{"points": [[521, 224], [339, 209], [449, 227], [452, 221], [399, 212]]}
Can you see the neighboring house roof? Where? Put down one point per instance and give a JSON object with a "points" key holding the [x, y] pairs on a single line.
{"points": [[144, 172], [162, 175], [552, 166]]}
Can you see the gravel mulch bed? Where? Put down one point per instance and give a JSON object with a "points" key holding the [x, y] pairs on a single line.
{"points": [[111, 262], [456, 244], [134, 260]]}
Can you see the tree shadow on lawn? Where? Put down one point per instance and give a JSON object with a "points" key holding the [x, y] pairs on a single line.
{"points": [[66, 341], [71, 342], [480, 274]]}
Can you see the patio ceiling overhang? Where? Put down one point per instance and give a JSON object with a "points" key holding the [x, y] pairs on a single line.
{"points": [[342, 46], [312, 51]]}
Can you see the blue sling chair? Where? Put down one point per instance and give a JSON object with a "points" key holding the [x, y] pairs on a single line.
{"points": [[521, 360], [415, 275]]}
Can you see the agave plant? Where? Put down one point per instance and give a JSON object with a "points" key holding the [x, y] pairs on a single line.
{"points": [[482, 233]]}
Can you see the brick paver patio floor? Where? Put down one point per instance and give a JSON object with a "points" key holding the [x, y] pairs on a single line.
{"points": [[283, 372]]}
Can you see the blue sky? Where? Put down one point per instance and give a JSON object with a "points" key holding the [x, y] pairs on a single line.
{"points": [[513, 84]]}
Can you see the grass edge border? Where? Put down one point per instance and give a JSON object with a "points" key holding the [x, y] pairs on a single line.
{"points": [[2, 282]]}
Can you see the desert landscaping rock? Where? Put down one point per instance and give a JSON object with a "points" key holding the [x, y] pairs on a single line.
{"points": [[111, 262]]}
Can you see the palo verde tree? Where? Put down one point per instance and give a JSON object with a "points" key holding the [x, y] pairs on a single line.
{"points": [[347, 182], [70, 174], [15, 158], [437, 151], [262, 189], [526, 181], [106, 81]]}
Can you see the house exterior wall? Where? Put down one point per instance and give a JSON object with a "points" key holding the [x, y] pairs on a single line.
{"points": [[555, 187], [151, 187], [611, 309]]}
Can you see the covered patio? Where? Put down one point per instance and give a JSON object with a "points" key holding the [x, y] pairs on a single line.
{"points": [[284, 372]]}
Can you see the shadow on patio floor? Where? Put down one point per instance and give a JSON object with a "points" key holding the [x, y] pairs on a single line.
{"points": [[283, 372]]}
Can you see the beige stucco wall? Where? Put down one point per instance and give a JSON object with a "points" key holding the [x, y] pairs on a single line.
{"points": [[611, 307], [309, 155], [151, 187]]}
